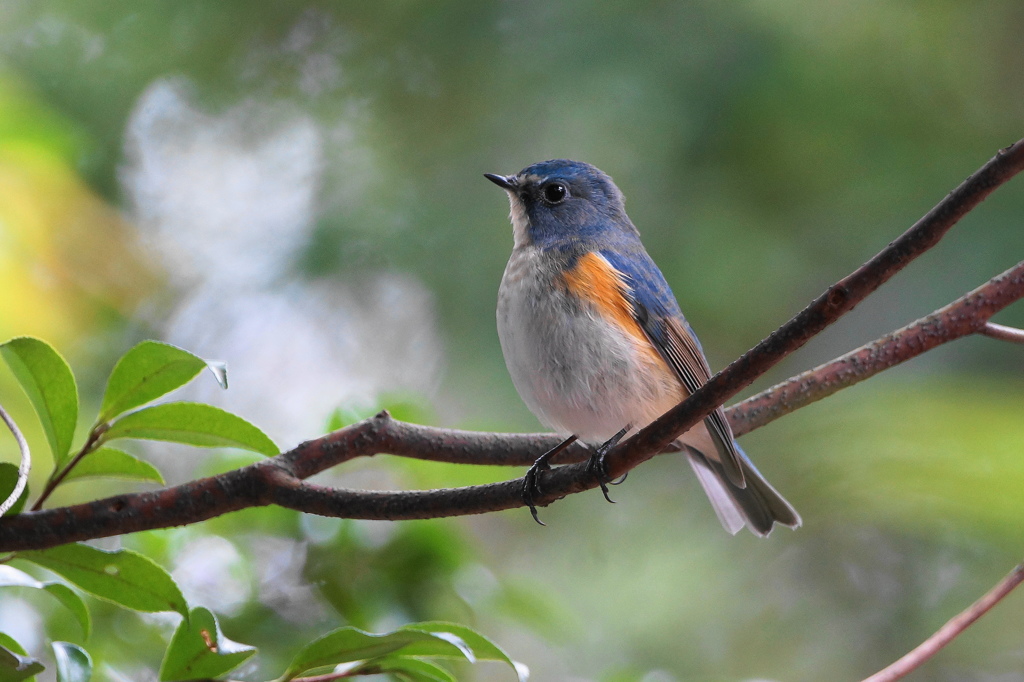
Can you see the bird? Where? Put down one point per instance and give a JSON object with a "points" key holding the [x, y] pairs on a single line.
{"points": [[596, 344]]}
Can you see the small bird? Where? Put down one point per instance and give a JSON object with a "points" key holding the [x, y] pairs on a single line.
{"points": [[595, 341]]}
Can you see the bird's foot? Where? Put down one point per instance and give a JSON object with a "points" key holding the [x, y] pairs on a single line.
{"points": [[531, 482], [596, 466]]}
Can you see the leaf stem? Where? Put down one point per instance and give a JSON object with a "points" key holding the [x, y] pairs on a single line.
{"points": [[58, 477]]}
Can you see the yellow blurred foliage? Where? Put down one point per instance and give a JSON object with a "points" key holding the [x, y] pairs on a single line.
{"points": [[66, 256]]}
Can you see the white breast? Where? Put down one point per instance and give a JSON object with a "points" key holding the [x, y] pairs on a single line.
{"points": [[576, 372]]}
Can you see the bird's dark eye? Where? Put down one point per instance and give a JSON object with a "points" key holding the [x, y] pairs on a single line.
{"points": [[554, 193]]}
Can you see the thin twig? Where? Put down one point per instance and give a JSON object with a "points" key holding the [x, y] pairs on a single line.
{"points": [[944, 635], [1002, 332], [23, 468]]}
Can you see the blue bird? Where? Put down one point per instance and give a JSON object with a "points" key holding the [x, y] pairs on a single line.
{"points": [[596, 344]]}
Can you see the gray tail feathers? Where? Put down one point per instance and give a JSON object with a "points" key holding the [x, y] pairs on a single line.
{"points": [[758, 505]]}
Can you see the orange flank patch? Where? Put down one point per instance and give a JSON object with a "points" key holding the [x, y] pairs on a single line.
{"points": [[595, 280]]}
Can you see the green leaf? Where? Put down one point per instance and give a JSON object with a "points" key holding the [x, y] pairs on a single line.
{"points": [[10, 643], [15, 664], [70, 599], [12, 577], [414, 669], [429, 649], [73, 662], [47, 380], [113, 463], [193, 424], [149, 370], [404, 407], [199, 650], [123, 576], [336, 420], [8, 481], [483, 648], [350, 644]]}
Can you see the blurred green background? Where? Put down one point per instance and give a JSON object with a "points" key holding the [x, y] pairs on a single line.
{"points": [[295, 188]]}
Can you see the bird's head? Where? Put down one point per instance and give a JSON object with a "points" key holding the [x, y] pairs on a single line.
{"points": [[556, 203]]}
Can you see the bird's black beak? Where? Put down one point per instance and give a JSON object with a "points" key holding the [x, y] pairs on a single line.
{"points": [[506, 183]]}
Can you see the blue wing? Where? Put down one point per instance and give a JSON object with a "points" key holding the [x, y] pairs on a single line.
{"points": [[658, 314]]}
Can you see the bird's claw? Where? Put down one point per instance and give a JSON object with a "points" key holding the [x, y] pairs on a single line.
{"points": [[596, 466], [531, 482], [531, 486]]}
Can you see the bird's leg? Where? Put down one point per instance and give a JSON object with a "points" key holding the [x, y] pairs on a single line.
{"points": [[531, 485], [596, 464]]}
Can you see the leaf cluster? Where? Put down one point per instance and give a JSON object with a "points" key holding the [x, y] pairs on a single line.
{"points": [[198, 649]]}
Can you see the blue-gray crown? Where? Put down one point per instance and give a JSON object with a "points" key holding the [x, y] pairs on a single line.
{"points": [[595, 183]]}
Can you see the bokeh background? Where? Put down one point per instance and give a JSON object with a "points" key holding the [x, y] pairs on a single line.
{"points": [[295, 188]]}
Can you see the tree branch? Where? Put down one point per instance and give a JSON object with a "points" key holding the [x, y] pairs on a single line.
{"points": [[278, 480], [964, 316], [944, 635], [835, 302]]}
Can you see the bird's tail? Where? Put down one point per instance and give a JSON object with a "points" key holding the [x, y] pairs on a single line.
{"points": [[758, 505]]}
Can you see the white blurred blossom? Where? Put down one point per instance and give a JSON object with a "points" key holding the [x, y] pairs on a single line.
{"points": [[227, 203]]}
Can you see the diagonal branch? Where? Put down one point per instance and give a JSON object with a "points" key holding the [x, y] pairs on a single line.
{"points": [[278, 480], [967, 315], [835, 302], [915, 658]]}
